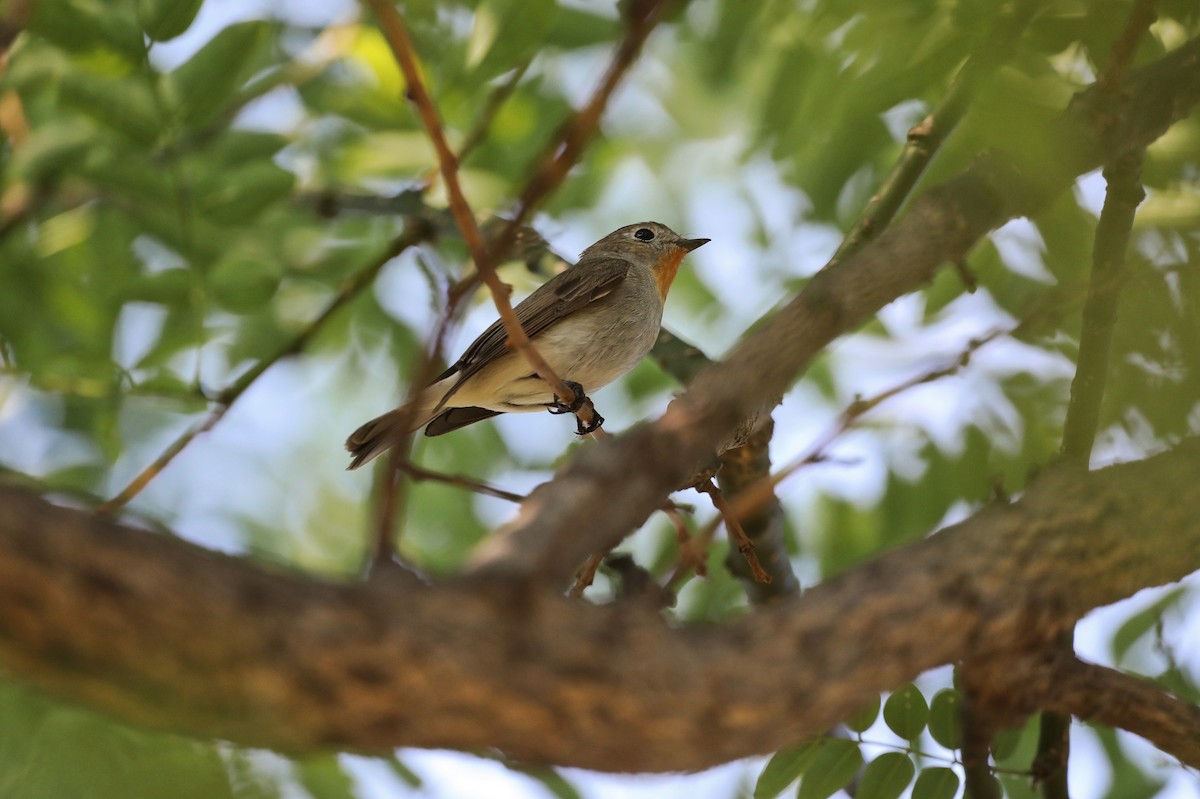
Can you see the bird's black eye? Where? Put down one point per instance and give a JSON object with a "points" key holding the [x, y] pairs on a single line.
{"points": [[644, 234]]}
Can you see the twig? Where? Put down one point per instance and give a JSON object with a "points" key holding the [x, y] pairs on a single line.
{"points": [[491, 107], [402, 48], [737, 535], [459, 481], [391, 488], [692, 553], [742, 467], [586, 575], [348, 291], [701, 541]]}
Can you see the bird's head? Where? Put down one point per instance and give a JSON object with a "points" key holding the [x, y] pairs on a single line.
{"points": [[651, 244]]}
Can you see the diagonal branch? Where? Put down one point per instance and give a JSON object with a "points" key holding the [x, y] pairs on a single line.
{"points": [[940, 227], [402, 48], [1107, 696]]}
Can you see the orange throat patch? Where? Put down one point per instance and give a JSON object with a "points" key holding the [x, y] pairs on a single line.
{"points": [[665, 269]]}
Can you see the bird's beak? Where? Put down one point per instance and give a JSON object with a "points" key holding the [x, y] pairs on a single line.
{"points": [[691, 244]]}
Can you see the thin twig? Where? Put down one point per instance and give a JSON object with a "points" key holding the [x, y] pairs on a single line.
{"points": [[737, 535], [459, 481], [391, 493], [224, 401], [586, 575], [402, 48], [492, 106], [692, 553]]}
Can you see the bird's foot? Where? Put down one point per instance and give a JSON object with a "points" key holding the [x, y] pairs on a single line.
{"points": [[558, 406], [576, 403], [582, 429]]}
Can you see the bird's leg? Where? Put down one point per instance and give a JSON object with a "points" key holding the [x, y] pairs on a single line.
{"points": [[582, 429], [558, 407]]}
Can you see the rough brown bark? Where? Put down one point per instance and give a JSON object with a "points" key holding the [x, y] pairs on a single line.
{"points": [[158, 631]]}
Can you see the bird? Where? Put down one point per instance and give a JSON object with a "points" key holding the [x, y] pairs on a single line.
{"points": [[592, 323]]}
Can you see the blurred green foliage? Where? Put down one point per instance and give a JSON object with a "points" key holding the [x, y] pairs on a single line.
{"points": [[173, 214]]}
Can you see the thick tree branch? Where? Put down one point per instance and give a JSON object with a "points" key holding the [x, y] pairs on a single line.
{"points": [[1103, 695], [160, 632], [942, 225]]}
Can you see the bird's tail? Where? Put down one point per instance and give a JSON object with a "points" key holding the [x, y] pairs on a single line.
{"points": [[383, 432]]}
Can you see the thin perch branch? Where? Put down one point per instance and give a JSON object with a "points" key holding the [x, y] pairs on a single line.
{"points": [[402, 48]]}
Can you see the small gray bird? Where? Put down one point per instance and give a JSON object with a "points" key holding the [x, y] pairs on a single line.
{"points": [[592, 323]]}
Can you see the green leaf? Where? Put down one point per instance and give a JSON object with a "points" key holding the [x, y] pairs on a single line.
{"points": [[905, 712], [236, 147], [783, 768], [239, 196], [163, 20], [834, 765], [244, 283], [54, 149], [945, 724], [936, 783], [863, 719], [207, 82], [1141, 623], [410, 778], [169, 287], [126, 172], [550, 778], [123, 105], [325, 778], [85, 25], [886, 777], [48, 749], [575, 27], [507, 32]]}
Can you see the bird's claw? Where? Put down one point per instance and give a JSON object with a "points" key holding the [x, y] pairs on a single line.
{"points": [[582, 429], [559, 407], [576, 403]]}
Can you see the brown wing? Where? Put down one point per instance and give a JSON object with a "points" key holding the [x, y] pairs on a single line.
{"points": [[558, 297], [454, 418]]}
